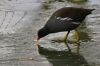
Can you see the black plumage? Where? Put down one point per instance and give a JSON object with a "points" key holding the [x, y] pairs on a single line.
{"points": [[64, 19]]}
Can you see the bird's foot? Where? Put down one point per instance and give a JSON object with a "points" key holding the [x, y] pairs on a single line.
{"points": [[77, 47]]}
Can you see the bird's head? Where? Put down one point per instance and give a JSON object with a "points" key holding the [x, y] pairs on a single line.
{"points": [[41, 33]]}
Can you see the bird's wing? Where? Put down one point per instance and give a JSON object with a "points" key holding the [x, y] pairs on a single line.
{"points": [[57, 24], [64, 18]]}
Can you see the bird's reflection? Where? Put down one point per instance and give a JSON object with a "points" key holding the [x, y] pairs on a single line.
{"points": [[63, 58]]}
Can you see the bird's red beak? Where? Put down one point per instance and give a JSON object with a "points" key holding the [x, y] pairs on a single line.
{"points": [[38, 38], [38, 41]]}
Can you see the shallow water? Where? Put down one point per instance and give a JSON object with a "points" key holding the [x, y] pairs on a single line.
{"points": [[20, 21]]}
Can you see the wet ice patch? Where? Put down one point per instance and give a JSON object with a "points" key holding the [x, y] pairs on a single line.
{"points": [[55, 41]]}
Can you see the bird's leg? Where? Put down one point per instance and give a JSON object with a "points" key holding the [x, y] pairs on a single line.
{"points": [[66, 41], [77, 39], [76, 36]]}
